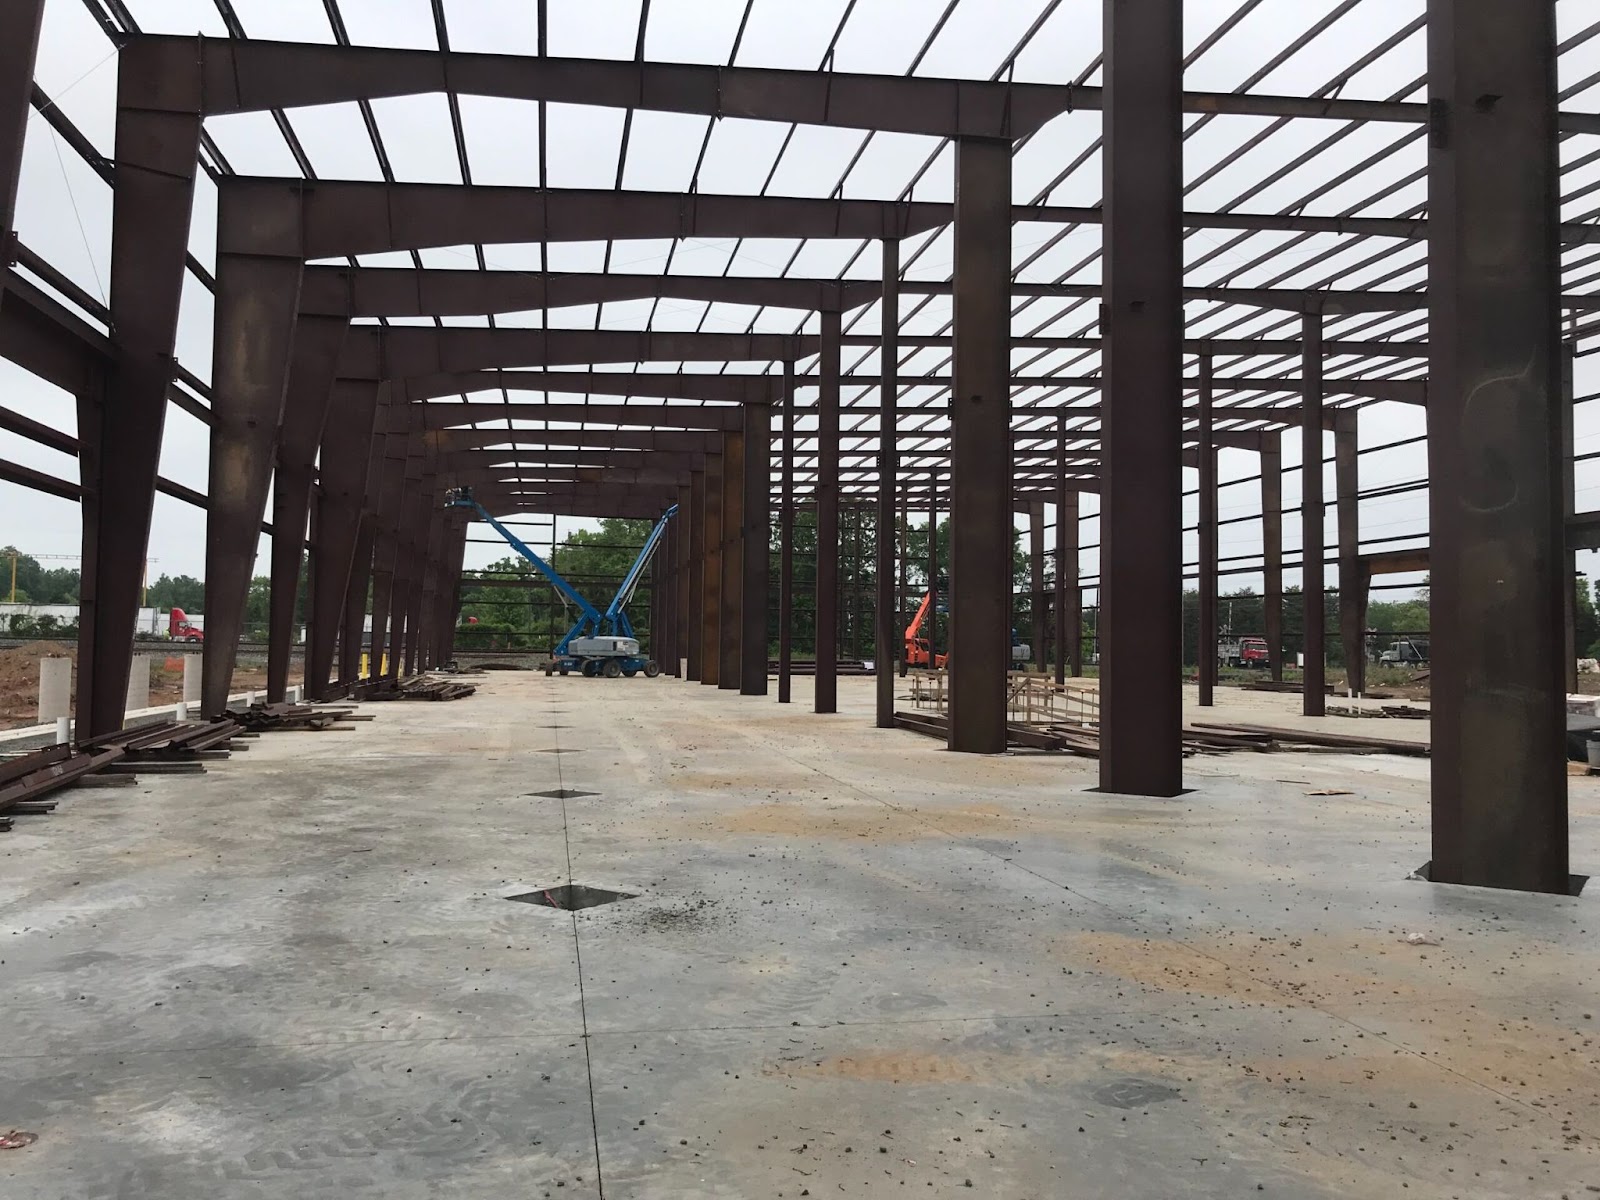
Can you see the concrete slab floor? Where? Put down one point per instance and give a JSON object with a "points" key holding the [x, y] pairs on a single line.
{"points": [[856, 965]]}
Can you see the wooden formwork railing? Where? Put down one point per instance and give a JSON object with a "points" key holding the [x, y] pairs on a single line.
{"points": [[1032, 698]]}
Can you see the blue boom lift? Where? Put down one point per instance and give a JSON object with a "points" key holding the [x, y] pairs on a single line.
{"points": [[601, 643]]}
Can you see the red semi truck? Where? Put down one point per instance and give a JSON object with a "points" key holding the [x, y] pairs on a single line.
{"points": [[180, 629]]}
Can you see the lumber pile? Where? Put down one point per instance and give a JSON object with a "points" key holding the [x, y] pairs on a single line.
{"points": [[1198, 738]]}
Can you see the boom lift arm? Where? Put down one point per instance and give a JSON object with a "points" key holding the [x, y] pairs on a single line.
{"points": [[615, 616], [590, 620]]}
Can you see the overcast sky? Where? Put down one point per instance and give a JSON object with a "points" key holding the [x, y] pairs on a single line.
{"points": [[64, 209]]}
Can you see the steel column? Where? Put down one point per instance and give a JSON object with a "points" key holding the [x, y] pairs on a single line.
{"points": [[757, 543], [730, 619], [1498, 552], [1067, 552], [20, 21], [786, 543], [157, 154], [933, 571], [386, 514], [1039, 603], [888, 650], [1313, 547], [305, 410], [1207, 660], [826, 699], [346, 448], [1570, 649], [257, 297], [695, 612], [1352, 589], [711, 593], [680, 599], [358, 591], [981, 527], [1272, 548], [1141, 573]]}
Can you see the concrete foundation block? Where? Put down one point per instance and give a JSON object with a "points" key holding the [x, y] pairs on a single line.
{"points": [[138, 683], [55, 689], [191, 678]]}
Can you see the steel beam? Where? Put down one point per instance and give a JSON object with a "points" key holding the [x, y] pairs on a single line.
{"points": [[757, 549], [888, 652], [1313, 582], [647, 417], [826, 697], [684, 385], [1272, 550], [730, 620], [1207, 650], [980, 459], [1352, 587], [437, 292], [416, 352], [1141, 590], [305, 410], [1494, 439], [786, 545], [1069, 594], [157, 148], [360, 217], [232, 75]]}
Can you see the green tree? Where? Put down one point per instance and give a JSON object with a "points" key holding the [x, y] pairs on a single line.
{"points": [[177, 591], [35, 584]]}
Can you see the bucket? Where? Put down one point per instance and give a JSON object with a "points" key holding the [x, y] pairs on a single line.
{"points": [[1593, 747]]}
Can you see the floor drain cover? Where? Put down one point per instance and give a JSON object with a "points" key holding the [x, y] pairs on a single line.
{"points": [[571, 896], [561, 794]]}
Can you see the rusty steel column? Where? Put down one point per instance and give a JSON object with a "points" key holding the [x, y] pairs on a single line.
{"points": [[757, 547], [157, 152], [731, 617], [711, 588], [362, 592], [1141, 523], [20, 21], [450, 589], [888, 652], [1067, 549], [981, 526], [257, 296], [1569, 590], [1498, 552], [389, 490], [786, 543], [1272, 548], [346, 448], [1039, 603], [680, 599], [353, 630], [932, 625], [1313, 547], [697, 571], [826, 698], [317, 341], [1352, 592], [1207, 651]]}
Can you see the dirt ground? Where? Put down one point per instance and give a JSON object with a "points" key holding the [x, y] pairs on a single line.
{"points": [[19, 678]]}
